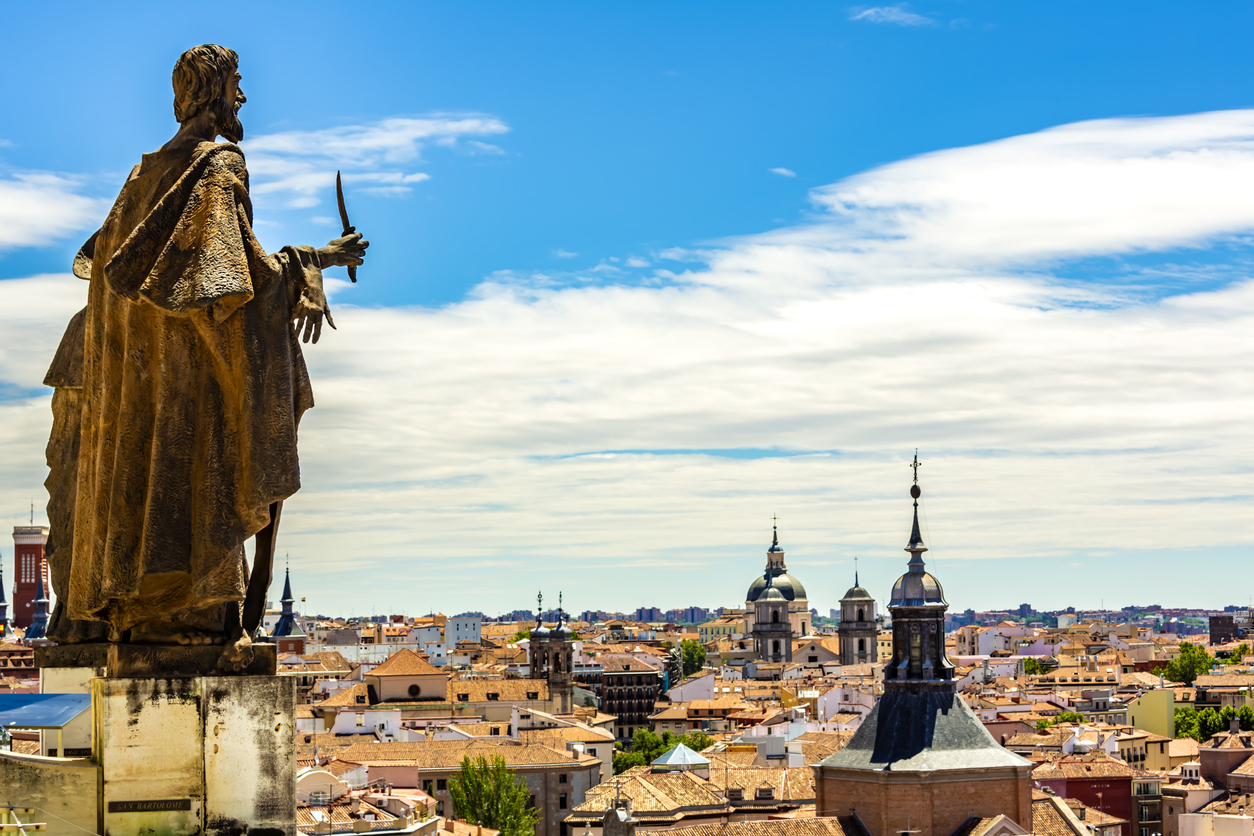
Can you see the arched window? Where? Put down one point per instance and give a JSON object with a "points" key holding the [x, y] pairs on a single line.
{"points": [[774, 616], [775, 646], [862, 645], [861, 614]]}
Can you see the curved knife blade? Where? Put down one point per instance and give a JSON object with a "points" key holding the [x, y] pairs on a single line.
{"points": [[349, 229]]}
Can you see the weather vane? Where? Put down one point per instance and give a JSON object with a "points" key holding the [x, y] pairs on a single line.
{"points": [[916, 464]]}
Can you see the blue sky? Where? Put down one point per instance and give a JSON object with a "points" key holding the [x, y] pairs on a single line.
{"points": [[624, 257]]}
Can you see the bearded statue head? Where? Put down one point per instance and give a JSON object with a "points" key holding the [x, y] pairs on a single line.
{"points": [[202, 81]]}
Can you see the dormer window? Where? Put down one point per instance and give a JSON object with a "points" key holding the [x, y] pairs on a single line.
{"points": [[494, 697], [533, 695], [735, 794], [463, 697], [765, 793]]}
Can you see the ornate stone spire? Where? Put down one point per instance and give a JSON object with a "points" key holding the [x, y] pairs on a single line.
{"points": [[6, 632], [39, 622], [287, 619]]}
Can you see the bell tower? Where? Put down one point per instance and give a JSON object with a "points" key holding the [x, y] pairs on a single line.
{"points": [[30, 570]]}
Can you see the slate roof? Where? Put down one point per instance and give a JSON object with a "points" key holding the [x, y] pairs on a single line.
{"points": [[931, 730]]}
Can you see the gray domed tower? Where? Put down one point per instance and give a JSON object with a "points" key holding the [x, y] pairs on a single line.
{"points": [[922, 762], [858, 628], [776, 575], [553, 657], [772, 633]]}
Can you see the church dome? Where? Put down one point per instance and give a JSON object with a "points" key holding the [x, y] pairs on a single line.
{"points": [[561, 633], [917, 588], [771, 594], [857, 593], [540, 632], [788, 586]]}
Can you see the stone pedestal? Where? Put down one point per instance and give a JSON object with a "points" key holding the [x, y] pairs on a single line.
{"points": [[207, 754]]}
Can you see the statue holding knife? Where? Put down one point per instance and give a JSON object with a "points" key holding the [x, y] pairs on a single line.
{"points": [[179, 389]]}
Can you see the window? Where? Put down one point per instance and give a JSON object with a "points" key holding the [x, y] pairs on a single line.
{"points": [[812, 658], [765, 793], [592, 752], [463, 697], [561, 801], [361, 719], [735, 794], [531, 802], [533, 695], [493, 697], [441, 784], [561, 779], [496, 730], [428, 787]]}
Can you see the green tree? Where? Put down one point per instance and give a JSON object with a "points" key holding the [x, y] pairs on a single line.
{"points": [[589, 702], [1192, 662], [487, 793], [1245, 717], [1209, 723], [1064, 717], [1186, 723], [646, 747], [1234, 658], [1031, 667], [694, 656], [520, 635]]}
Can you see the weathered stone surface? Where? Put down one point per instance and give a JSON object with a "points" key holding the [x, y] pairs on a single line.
{"points": [[212, 755], [250, 755], [65, 789], [89, 655], [149, 742], [163, 660]]}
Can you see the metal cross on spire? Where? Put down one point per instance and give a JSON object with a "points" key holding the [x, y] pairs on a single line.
{"points": [[916, 464], [539, 604]]}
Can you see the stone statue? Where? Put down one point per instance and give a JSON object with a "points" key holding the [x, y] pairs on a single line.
{"points": [[178, 391]]}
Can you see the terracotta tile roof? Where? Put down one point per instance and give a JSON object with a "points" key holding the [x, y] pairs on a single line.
{"points": [[347, 697], [735, 760], [506, 690], [1246, 767], [1224, 680], [1049, 820], [625, 665], [652, 794], [405, 662], [1092, 816], [448, 754], [818, 745], [1183, 747], [1080, 768], [826, 826], [790, 785], [1229, 740], [558, 737]]}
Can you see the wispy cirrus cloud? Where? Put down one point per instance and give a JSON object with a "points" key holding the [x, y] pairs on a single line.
{"points": [[898, 15], [39, 207], [296, 165], [784, 172]]}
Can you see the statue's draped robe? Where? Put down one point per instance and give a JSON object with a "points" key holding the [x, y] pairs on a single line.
{"points": [[192, 385]]}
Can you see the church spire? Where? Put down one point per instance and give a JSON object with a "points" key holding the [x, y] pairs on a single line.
{"points": [[39, 622], [916, 547], [6, 632], [287, 598]]}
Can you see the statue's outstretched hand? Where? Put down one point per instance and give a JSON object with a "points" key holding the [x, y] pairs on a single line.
{"points": [[347, 251], [312, 305]]}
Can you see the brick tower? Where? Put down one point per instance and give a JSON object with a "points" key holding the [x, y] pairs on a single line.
{"points": [[29, 567], [922, 762]]}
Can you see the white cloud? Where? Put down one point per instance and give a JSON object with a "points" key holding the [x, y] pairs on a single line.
{"points": [[784, 172], [39, 207], [1054, 416], [898, 15], [636, 261], [564, 254], [301, 164]]}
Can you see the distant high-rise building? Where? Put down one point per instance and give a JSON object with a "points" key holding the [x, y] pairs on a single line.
{"points": [[30, 570]]}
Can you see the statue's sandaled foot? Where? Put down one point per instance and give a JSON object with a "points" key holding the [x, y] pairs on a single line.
{"points": [[183, 637], [238, 654]]}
